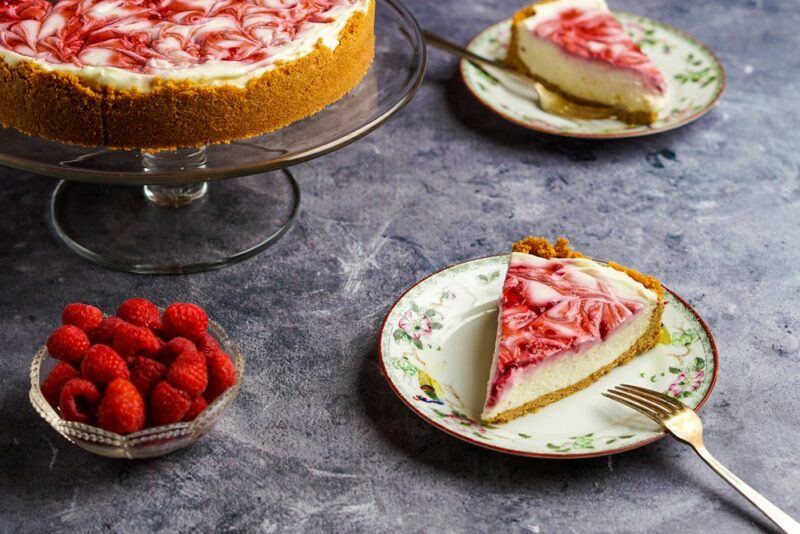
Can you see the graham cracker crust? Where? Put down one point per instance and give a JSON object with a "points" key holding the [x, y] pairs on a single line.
{"points": [[62, 107], [540, 246]]}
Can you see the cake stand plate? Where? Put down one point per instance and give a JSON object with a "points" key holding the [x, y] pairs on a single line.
{"points": [[185, 219]]}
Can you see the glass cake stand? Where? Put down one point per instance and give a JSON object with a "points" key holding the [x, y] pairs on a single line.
{"points": [[190, 216]]}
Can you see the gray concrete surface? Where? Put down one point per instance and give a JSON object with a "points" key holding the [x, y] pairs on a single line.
{"points": [[317, 441]]}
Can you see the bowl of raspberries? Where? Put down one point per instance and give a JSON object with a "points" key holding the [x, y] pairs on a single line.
{"points": [[139, 384]]}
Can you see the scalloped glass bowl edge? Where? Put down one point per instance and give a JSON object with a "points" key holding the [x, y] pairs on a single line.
{"points": [[150, 442]]}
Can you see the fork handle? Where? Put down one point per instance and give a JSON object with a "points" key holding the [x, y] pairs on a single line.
{"points": [[775, 514], [449, 46]]}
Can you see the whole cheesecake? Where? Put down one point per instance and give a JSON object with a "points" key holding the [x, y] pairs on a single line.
{"points": [[578, 48], [565, 320], [162, 74]]}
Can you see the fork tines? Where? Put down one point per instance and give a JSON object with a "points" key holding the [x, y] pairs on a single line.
{"points": [[653, 404]]}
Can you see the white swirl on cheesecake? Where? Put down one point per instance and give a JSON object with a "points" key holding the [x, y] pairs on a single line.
{"points": [[141, 43]]}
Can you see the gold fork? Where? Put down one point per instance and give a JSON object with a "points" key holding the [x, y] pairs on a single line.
{"points": [[684, 424]]}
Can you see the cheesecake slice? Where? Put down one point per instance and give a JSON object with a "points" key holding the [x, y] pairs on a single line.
{"points": [[580, 50], [565, 320]]}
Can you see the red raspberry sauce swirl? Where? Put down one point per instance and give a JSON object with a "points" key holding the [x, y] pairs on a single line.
{"points": [[559, 315], [151, 36], [596, 34]]}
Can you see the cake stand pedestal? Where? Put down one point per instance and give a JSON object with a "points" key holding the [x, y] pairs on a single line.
{"points": [[196, 209], [172, 229]]}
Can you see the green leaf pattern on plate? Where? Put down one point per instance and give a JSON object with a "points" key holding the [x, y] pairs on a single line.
{"points": [[490, 277], [587, 442]]}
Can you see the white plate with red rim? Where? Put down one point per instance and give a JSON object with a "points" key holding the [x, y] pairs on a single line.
{"points": [[694, 75], [436, 348]]}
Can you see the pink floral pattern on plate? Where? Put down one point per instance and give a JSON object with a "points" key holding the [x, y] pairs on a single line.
{"points": [[685, 383], [415, 325]]}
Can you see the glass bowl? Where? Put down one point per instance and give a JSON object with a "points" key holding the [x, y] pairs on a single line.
{"points": [[147, 443]]}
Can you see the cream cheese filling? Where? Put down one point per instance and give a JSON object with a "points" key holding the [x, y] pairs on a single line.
{"points": [[592, 81], [529, 383]]}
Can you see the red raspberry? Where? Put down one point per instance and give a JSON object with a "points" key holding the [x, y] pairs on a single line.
{"points": [[198, 405], [84, 316], [131, 341], [52, 385], [175, 347], [186, 320], [68, 343], [189, 373], [221, 375], [168, 404], [162, 345], [122, 408], [140, 312], [104, 332], [78, 400], [102, 364], [145, 374], [207, 344]]}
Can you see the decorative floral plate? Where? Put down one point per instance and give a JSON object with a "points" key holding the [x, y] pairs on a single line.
{"points": [[436, 348], [694, 74]]}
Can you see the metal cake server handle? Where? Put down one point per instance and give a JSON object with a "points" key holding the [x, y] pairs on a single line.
{"points": [[549, 101]]}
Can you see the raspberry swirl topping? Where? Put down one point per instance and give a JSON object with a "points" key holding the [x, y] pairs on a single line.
{"points": [[553, 306], [596, 34], [155, 37]]}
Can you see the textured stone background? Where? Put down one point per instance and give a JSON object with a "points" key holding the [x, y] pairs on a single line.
{"points": [[317, 441]]}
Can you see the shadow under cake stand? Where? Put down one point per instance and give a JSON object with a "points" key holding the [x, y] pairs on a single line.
{"points": [[189, 216]]}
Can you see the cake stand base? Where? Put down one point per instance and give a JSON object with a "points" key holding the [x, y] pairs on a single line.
{"points": [[175, 229]]}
